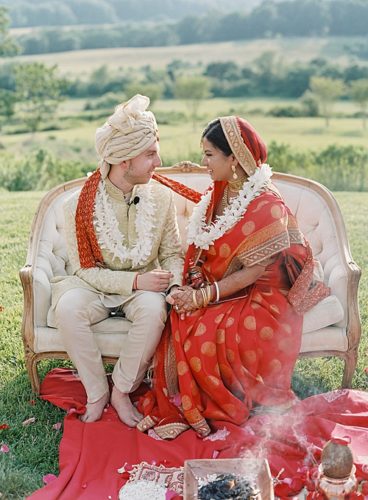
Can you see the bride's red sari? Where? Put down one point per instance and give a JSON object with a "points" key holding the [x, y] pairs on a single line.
{"points": [[220, 361]]}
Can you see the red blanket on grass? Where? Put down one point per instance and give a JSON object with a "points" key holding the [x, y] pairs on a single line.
{"points": [[91, 454]]}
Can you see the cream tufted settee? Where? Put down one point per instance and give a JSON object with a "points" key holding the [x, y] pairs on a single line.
{"points": [[331, 328]]}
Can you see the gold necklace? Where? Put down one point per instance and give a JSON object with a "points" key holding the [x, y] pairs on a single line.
{"points": [[235, 186], [224, 200]]}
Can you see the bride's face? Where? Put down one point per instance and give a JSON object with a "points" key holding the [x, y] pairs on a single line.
{"points": [[217, 163]]}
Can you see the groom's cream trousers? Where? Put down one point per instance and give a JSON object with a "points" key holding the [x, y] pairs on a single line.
{"points": [[79, 308]]}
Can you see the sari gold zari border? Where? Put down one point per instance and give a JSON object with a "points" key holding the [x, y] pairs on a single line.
{"points": [[241, 152]]}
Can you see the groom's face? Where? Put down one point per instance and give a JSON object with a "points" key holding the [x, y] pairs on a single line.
{"points": [[141, 168]]}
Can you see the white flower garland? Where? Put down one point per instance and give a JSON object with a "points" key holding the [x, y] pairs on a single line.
{"points": [[202, 234], [107, 227]]}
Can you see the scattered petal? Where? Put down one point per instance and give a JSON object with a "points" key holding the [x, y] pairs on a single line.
{"points": [[152, 434], [4, 448], [219, 435], [57, 426], [1, 309], [125, 468], [170, 495], [215, 453], [176, 399], [366, 370], [48, 478], [32, 402], [29, 421], [71, 410], [3, 427]]}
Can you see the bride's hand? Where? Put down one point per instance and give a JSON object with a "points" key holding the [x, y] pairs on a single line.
{"points": [[182, 301]]}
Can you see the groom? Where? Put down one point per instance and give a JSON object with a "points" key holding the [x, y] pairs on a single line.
{"points": [[125, 254]]}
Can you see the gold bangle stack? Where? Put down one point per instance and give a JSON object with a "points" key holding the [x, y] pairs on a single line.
{"points": [[206, 293]]}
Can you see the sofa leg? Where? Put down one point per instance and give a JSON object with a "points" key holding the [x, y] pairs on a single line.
{"points": [[31, 364], [350, 362]]}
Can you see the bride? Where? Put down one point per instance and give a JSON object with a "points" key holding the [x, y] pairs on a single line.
{"points": [[234, 332]]}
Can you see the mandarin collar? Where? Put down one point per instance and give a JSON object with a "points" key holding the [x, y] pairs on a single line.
{"points": [[116, 193]]}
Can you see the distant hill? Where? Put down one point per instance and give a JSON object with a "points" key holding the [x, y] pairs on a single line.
{"points": [[74, 12], [91, 12], [101, 24]]}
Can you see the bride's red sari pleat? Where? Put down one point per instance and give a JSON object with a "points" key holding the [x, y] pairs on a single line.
{"points": [[220, 361]]}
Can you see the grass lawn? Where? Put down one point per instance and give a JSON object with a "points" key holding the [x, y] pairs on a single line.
{"points": [[33, 448]]}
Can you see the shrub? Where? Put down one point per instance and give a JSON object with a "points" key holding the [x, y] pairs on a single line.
{"points": [[288, 111], [38, 171], [340, 168], [106, 101]]}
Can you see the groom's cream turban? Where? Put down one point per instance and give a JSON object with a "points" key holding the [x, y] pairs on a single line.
{"points": [[127, 133]]}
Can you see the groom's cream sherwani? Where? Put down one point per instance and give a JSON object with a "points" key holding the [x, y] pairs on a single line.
{"points": [[86, 296]]}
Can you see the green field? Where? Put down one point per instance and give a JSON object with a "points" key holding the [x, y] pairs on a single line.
{"points": [[289, 50], [34, 448], [179, 140]]}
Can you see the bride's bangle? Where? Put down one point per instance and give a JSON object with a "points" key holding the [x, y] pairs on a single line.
{"points": [[194, 298], [217, 291]]}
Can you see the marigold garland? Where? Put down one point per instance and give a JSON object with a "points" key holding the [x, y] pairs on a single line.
{"points": [[90, 254]]}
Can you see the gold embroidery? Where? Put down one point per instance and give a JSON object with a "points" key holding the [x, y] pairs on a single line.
{"points": [[196, 364], [202, 428], [269, 248], [171, 374], [250, 323], [265, 233], [182, 368], [146, 423], [208, 348], [266, 333], [241, 152], [248, 228], [170, 431]]}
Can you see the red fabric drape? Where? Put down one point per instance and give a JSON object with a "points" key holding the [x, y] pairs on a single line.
{"points": [[90, 454]]}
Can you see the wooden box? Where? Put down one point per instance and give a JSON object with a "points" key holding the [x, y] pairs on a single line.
{"points": [[255, 470]]}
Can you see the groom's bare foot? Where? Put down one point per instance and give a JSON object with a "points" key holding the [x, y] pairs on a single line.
{"points": [[125, 408], [94, 410]]}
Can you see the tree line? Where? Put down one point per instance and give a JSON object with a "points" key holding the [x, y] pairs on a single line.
{"points": [[30, 92], [71, 12], [287, 18]]}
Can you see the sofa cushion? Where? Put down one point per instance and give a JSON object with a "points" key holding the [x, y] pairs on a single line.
{"points": [[108, 332], [111, 332], [327, 312]]}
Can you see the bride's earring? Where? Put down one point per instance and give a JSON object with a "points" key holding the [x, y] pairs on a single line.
{"points": [[233, 168]]}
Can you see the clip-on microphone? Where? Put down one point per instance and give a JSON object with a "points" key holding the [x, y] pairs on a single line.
{"points": [[134, 201]]}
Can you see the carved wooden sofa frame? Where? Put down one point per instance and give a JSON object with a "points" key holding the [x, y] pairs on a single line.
{"points": [[332, 328]]}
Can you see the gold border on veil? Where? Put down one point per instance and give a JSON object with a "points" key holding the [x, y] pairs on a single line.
{"points": [[241, 152]]}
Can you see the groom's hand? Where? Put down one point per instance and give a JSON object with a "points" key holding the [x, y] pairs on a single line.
{"points": [[154, 281]]}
